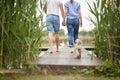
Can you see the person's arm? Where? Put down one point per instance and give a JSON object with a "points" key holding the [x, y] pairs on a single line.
{"points": [[45, 7], [80, 16], [65, 15], [62, 10]]}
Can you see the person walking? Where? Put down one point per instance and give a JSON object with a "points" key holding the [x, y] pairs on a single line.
{"points": [[73, 18], [53, 21]]}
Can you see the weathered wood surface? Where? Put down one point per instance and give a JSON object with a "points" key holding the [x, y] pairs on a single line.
{"points": [[65, 58]]}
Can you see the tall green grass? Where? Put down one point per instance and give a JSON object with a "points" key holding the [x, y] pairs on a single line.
{"points": [[107, 31], [20, 32], [107, 35]]}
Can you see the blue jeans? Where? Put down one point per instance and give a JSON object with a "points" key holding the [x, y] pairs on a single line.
{"points": [[73, 29], [53, 23]]}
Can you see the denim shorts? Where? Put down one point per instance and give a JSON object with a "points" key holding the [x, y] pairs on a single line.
{"points": [[53, 23]]}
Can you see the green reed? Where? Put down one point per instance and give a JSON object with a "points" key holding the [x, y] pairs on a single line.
{"points": [[20, 32], [107, 30]]}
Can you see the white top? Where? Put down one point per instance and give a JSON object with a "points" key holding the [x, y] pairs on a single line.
{"points": [[53, 6]]}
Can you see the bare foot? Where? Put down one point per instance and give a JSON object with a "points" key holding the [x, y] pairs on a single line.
{"points": [[78, 57], [50, 51], [57, 50], [72, 50]]}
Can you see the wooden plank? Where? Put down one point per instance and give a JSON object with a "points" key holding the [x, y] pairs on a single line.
{"points": [[65, 58]]}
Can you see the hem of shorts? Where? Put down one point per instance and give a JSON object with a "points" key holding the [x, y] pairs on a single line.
{"points": [[51, 31]]}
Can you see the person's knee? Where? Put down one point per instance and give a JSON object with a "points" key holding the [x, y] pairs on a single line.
{"points": [[56, 33], [50, 34]]}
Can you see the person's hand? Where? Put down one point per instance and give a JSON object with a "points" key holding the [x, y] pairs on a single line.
{"points": [[63, 23], [81, 23]]}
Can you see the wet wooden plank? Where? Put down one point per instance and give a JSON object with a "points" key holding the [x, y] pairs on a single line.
{"points": [[65, 58]]}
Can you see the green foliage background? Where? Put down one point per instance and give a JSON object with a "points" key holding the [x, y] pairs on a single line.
{"points": [[20, 32], [107, 35], [107, 31]]}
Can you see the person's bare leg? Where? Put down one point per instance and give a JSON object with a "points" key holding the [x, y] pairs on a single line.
{"points": [[57, 41], [50, 37]]}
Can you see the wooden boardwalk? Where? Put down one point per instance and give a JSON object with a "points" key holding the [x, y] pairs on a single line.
{"points": [[65, 58]]}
